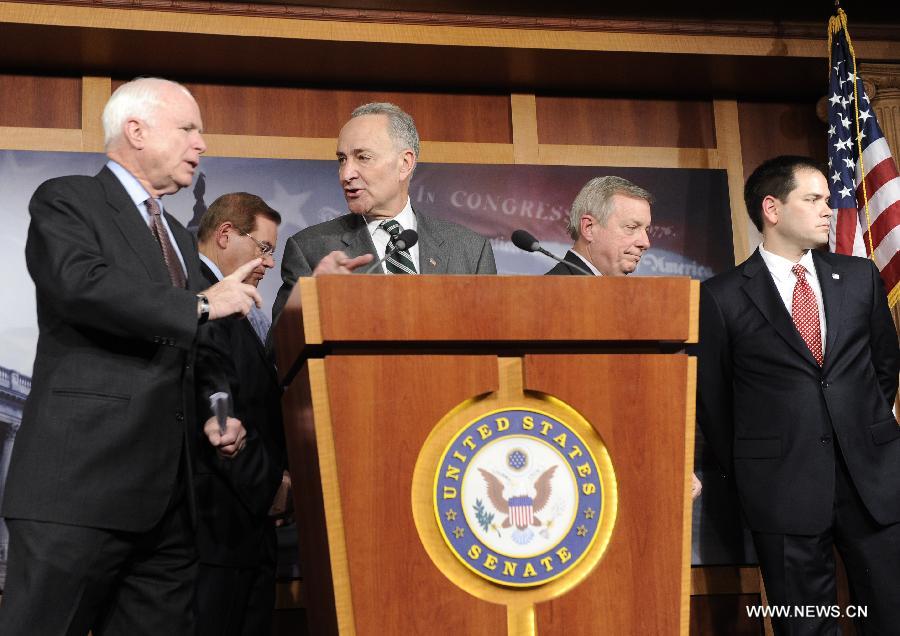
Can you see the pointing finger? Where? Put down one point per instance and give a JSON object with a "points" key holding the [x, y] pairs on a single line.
{"points": [[244, 270]]}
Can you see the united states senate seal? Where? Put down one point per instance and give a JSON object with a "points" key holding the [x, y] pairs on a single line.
{"points": [[518, 497]]}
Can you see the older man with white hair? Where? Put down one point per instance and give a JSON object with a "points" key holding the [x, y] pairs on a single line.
{"points": [[610, 223], [97, 500]]}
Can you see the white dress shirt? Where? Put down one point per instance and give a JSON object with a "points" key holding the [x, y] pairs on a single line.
{"points": [[780, 269]]}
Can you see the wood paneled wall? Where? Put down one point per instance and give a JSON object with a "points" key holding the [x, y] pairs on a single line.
{"points": [[599, 121], [34, 101], [770, 129], [500, 124], [62, 113], [290, 111]]}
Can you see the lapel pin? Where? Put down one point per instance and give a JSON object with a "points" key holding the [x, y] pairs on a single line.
{"points": [[836, 276], [433, 262]]}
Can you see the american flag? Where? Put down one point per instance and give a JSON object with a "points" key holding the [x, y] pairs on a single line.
{"points": [[874, 230]]}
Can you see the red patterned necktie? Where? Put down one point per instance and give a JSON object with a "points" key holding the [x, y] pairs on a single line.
{"points": [[805, 312], [176, 273]]}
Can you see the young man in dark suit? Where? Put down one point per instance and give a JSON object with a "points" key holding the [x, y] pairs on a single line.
{"points": [[609, 222], [98, 499], [236, 530], [798, 363]]}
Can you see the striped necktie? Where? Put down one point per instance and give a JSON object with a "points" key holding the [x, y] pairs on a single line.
{"points": [[173, 264], [400, 262]]}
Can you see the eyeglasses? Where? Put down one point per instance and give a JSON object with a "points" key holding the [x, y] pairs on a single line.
{"points": [[266, 249]]}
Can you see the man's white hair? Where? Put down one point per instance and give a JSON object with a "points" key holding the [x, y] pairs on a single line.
{"points": [[139, 98], [596, 197]]}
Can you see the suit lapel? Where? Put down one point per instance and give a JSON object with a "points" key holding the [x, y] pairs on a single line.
{"points": [[762, 292], [133, 228], [433, 254], [356, 238], [832, 287], [572, 257]]}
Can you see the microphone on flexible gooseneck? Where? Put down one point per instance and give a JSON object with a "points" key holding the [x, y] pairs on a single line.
{"points": [[404, 241], [526, 241]]}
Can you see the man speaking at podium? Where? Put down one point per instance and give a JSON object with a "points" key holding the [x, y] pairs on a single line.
{"points": [[98, 499], [377, 153], [797, 374]]}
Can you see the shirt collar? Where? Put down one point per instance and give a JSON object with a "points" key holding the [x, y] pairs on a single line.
{"points": [[132, 186], [587, 263], [406, 218], [780, 267], [212, 266]]}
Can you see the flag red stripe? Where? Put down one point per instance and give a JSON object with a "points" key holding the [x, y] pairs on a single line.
{"points": [[888, 220], [890, 273], [845, 230], [876, 177]]}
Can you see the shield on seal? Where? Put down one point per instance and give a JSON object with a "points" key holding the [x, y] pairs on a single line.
{"points": [[521, 511]]}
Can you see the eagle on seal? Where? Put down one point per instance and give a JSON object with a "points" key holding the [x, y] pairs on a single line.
{"points": [[519, 507]]}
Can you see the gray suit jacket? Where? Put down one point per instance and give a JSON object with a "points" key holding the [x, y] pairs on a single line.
{"points": [[444, 248]]}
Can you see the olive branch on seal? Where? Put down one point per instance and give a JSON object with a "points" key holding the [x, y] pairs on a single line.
{"points": [[483, 517]]}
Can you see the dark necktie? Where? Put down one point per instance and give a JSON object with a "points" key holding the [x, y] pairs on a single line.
{"points": [[400, 262], [176, 273], [805, 312]]}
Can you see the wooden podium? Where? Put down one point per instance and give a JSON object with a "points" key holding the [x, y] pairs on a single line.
{"points": [[375, 362]]}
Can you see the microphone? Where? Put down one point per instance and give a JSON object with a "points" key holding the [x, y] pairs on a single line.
{"points": [[404, 241], [525, 241], [218, 403]]}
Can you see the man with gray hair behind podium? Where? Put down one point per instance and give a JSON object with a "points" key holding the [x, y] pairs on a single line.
{"points": [[377, 152], [609, 221]]}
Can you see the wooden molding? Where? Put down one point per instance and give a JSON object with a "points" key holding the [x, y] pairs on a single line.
{"points": [[734, 28], [49, 139], [228, 19], [95, 92], [628, 156], [728, 140], [523, 110]]}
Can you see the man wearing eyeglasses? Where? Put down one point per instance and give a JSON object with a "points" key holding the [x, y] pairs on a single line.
{"points": [[236, 497]]}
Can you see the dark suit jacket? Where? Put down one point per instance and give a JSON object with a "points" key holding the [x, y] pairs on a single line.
{"points": [[770, 412], [444, 248], [234, 495], [561, 269], [103, 429]]}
